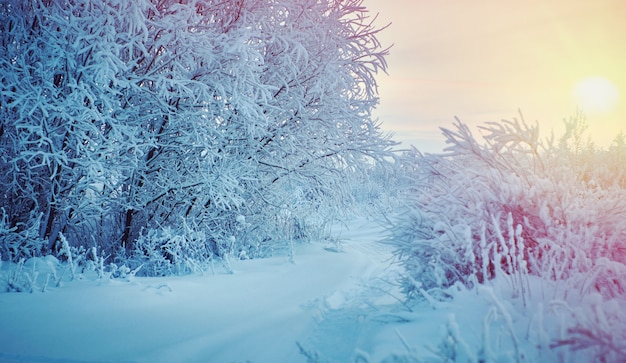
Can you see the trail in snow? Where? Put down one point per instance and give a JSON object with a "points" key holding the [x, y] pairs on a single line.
{"points": [[257, 314]]}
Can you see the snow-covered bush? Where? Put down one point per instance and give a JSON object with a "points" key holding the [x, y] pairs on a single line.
{"points": [[514, 206], [121, 117], [34, 274], [169, 251], [596, 328], [20, 240]]}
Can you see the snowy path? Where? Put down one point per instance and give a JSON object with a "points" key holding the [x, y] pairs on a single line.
{"points": [[257, 314]]}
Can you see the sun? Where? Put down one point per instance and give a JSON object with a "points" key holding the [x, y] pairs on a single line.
{"points": [[596, 95]]}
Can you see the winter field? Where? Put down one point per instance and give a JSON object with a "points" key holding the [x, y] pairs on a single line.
{"points": [[337, 302], [203, 181], [259, 313], [329, 306]]}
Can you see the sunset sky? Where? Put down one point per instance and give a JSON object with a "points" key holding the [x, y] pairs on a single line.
{"points": [[482, 60]]}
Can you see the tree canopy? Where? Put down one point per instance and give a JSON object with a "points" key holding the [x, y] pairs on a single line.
{"points": [[230, 119]]}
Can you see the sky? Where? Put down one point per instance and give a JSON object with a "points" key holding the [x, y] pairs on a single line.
{"points": [[485, 60]]}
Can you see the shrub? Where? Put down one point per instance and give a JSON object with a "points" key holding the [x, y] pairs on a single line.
{"points": [[515, 204], [21, 240], [517, 208], [169, 251]]}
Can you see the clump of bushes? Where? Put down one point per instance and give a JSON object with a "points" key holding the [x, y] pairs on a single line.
{"points": [[513, 206]]}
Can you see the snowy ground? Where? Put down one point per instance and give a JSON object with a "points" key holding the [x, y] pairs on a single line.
{"points": [[328, 306], [256, 314]]}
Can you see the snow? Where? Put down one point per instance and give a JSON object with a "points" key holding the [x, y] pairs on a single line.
{"points": [[339, 302], [256, 314]]}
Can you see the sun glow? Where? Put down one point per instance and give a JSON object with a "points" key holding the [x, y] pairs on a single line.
{"points": [[596, 96]]}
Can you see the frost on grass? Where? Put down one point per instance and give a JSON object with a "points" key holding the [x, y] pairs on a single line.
{"points": [[513, 208]]}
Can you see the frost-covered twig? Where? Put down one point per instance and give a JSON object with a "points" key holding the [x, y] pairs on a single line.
{"points": [[507, 319], [66, 250]]}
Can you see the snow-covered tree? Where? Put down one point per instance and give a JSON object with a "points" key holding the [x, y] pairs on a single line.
{"points": [[121, 117]]}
